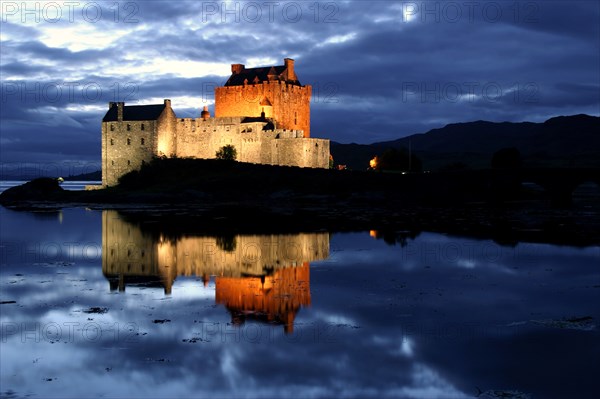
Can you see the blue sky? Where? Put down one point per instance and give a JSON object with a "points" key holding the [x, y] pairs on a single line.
{"points": [[380, 70]]}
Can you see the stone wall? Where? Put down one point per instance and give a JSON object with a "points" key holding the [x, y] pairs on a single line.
{"points": [[126, 145], [308, 152], [288, 104], [198, 138]]}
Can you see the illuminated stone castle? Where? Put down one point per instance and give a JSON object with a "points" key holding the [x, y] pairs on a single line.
{"points": [[263, 112], [261, 277]]}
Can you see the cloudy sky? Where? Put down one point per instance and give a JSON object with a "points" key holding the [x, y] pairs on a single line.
{"points": [[380, 70]]}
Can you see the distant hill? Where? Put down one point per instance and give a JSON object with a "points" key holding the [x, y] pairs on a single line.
{"points": [[92, 176], [562, 141], [29, 174]]}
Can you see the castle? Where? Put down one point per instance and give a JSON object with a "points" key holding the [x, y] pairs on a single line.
{"points": [[263, 112]]}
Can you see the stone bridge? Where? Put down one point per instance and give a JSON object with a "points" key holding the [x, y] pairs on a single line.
{"points": [[559, 183], [498, 185]]}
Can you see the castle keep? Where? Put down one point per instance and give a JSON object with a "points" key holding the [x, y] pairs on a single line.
{"points": [[263, 112]]}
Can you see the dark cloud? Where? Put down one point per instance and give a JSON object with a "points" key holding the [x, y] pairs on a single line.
{"points": [[379, 70]]}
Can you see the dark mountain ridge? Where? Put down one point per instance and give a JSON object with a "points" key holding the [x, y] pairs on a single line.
{"points": [[562, 141]]}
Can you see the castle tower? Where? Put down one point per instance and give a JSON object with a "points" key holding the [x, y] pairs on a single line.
{"points": [[273, 90]]}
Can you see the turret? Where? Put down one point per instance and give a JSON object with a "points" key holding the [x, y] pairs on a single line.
{"points": [[205, 114]]}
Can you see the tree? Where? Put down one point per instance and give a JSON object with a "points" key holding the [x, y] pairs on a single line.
{"points": [[227, 243], [506, 158], [227, 153], [398, 159]]}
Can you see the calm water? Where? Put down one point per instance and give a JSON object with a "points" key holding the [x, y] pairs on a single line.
{"points": [[107, 307]]}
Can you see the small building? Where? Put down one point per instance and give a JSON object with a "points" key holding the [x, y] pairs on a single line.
{"points": [[263, 112]]}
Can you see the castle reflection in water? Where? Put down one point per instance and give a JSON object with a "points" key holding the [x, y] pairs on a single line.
{"points": [[261, 277]]}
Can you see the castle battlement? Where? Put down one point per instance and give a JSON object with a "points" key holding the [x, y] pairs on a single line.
{"points": [[283, 84], [263, 112]]}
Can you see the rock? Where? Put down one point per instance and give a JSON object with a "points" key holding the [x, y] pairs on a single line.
{"points": [[40, 189]]}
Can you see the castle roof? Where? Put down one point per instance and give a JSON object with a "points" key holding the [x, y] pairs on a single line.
{"points": [[258, 75], [135, 113]]}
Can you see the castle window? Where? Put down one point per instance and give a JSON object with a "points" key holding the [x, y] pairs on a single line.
{"points": [[128, 162], [142, 126], [128, 141], [112, 142], [227, 128], [112, 163], [142, 141], [112, 127], [128, 126]]}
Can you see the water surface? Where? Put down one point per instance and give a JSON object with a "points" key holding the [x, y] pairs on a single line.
{"points": [[95, 304]]}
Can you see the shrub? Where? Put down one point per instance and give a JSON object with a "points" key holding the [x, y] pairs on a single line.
{"points": [[227, 153]]}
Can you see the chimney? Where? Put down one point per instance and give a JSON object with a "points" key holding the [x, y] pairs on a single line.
{"points": [[205, 114], [237, 68], [289, 65], [120, 106], [167, 103]]}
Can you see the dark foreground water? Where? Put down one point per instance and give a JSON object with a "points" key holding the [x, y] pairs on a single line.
{"points": [[95, 305]]}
